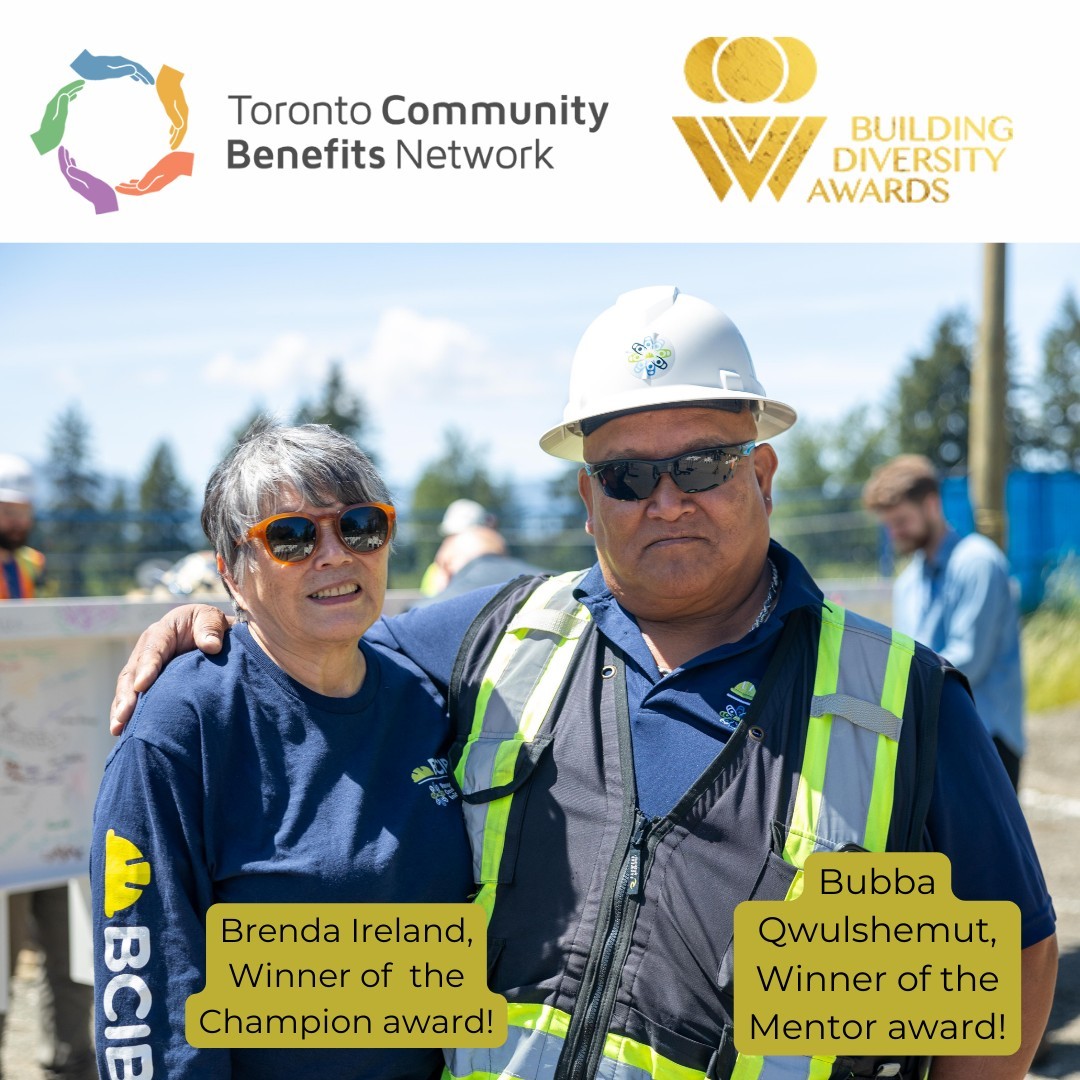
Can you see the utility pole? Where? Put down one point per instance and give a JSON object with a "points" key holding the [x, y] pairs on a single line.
{"points": [[988, 444]]}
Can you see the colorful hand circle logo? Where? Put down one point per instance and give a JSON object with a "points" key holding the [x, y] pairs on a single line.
{"points": [[50, 135]]}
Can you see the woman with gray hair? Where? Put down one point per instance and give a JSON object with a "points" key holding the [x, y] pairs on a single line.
{"points": [[291, 767]]}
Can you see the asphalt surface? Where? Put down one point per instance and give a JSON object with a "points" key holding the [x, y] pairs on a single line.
{"points": [[1050, 795]]}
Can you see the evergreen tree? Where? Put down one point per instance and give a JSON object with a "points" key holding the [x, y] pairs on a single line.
{"points": [[458, 473], [339, 407], [571, 548], [258, 414], [164, 507], [1057, 394], [74, 511], [929, 411]]}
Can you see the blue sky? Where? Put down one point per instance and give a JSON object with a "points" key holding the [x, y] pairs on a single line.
{"points": [[181, 341]]}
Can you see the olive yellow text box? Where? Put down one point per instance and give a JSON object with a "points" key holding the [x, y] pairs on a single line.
{"points": [[877, 956], [346, 975]]}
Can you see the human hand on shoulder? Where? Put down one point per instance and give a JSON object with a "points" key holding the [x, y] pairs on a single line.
{"points": [[193, 626]]}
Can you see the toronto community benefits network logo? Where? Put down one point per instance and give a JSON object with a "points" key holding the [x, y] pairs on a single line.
{"points": [[100, 194], [903, 160]]}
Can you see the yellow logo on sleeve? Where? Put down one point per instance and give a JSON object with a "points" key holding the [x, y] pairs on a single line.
{"points": [[126, 869]]}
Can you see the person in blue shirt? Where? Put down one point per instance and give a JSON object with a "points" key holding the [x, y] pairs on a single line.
{"points": [[697, 643], [291, 767], [954, 595]]}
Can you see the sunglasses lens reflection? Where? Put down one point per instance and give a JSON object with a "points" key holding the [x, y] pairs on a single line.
{"points": [[365, 528], [291, 539], [633, 480]]}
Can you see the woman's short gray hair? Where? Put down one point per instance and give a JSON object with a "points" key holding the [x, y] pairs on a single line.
{"points": [[312, 461]]}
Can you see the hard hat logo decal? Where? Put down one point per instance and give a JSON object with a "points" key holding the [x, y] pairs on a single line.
{"points": [[651, 356]]}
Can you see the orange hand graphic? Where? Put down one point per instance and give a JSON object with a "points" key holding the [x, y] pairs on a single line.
{"points": [[172, 97], [178, 163]]}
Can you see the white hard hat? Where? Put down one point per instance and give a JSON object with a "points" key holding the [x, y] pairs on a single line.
{"points": [[656, 348], [464, 514], [16, 480]]}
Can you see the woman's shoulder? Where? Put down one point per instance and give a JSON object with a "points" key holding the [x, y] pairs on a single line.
{"points": [[194, 690]]}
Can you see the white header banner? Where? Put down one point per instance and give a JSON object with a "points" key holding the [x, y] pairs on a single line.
{"points": [[565, 121]]}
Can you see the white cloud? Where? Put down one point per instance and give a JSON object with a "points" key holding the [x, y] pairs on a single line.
{"points": [[152, 376], [287, 358], [415, 354], [68, 380]]}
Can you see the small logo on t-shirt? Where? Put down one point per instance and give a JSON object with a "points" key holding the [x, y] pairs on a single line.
{"points": [[126, 869], [434, 774]]}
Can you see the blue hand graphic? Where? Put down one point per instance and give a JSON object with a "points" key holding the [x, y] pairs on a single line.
{"points": [[110, 67]]}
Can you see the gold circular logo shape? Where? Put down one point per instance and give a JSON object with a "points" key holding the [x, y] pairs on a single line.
{"points": [[750, 69]]}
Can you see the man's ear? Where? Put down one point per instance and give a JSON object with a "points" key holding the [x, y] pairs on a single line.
{"points": [[765, 465], [585, 490]]}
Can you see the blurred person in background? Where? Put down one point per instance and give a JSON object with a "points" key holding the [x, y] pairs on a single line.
{"points": [[475, 557], [21, 567], [40, 918], [460, 515], [955, 596]]}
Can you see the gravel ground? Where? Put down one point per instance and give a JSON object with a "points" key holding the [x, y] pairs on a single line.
{"points": [[1050, 795]]}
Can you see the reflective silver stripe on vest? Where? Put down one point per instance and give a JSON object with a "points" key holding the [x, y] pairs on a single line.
{"points": [[795, 1068], [623, 1070], [526, 1053], [512, 709], [853, 746], [531, 1052]]}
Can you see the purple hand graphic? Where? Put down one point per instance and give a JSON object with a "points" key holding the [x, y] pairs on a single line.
{"points": [[89, 187]]}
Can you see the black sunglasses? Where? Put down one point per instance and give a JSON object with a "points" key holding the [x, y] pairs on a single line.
{"points": [[631, 479]]}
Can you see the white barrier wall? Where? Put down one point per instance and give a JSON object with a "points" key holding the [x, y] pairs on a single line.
{"points": [[58, 665]]}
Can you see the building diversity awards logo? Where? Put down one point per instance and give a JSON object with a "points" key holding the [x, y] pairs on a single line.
{"points": [[82, 178], [751, 149], [904, 159]]}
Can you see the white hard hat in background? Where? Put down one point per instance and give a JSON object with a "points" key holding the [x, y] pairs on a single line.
{"points": [[464, 514], [16, 480], [658, 347]]}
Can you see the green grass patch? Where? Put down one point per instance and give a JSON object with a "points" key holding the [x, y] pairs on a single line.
{"points": [[1051, 650]]}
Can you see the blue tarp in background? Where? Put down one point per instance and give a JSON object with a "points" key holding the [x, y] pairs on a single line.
{"points": [[1043, 521]]}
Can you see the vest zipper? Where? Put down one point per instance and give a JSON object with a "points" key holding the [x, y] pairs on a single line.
{"points": [[588, 1028]]}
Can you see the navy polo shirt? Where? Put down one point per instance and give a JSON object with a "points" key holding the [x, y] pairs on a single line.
{"points": [[680, 721]]}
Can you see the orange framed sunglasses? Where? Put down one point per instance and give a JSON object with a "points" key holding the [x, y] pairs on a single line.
{"points": [[291, 538]]}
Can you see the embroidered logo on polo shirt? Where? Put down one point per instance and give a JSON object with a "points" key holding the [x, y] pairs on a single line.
{"points": [[739, 700], [433, 774]]}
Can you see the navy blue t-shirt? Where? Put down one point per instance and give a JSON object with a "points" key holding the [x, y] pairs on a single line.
{"points": [[680, 721], [233, 782]]}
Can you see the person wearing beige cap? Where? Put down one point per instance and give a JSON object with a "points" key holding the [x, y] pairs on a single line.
{"points": [[643, 745]]}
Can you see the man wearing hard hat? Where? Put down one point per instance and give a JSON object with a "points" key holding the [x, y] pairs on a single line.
{"points": [[643, 745], [21, 567]]}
